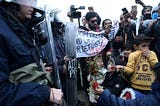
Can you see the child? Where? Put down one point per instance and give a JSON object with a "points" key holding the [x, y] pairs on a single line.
{"points": [[116, 81], [140, 64], [96, 76], [109, 99]]}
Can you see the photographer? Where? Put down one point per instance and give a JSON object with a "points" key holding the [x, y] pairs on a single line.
{"points": [[74, 14], [126, 33], [146, 17], [153, 31]]}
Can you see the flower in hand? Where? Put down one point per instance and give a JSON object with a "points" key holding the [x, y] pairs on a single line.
{"points": [[119, 67]]}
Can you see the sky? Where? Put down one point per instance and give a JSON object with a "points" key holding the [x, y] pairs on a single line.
{"points": [[105, 8]]}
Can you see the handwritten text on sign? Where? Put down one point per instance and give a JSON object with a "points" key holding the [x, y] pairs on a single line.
{"points": [[89, 43]]}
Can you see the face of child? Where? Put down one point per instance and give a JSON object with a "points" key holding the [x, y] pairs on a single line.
{"points": [[143, 47], [100, 63]]}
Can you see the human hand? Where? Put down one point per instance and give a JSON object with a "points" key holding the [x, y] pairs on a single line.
{"points": [[99, 90], [56, 96], [66, 58], [111, 68], [145, 52], [119, 68], [49, 68], [64, 68]]}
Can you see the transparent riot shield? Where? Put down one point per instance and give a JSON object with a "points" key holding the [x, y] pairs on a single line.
{"points": [[49, 49]]}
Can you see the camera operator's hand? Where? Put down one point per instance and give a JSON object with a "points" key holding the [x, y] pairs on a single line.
{"points": [[56, 96], [69, 15]]}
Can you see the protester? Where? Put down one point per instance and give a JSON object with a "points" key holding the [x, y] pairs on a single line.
{"points": [[116, 81], [127, 28], [91, 9], [106, 25], [145, 18], [91, 19], [140, 64], [91, 25], [153, 31], [108, 99], [96, 76], [18, 55], [126, 33]]}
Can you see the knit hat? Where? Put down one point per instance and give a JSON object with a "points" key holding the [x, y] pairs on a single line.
{"points": [[129, 93]]}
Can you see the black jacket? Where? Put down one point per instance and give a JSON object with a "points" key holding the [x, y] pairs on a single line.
{"points": [[115, 82]]}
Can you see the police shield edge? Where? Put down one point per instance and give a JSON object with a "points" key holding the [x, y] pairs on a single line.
{"points": [[70, 40], [49, 49]]}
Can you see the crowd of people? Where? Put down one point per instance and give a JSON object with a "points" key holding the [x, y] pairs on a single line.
{"points": [[129, 60], [134, 49]]}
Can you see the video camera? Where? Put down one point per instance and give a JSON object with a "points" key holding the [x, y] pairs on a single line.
{"points": [[74, 12]]}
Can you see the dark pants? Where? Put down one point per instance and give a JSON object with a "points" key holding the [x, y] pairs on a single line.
{"points": [[63, 83]]}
